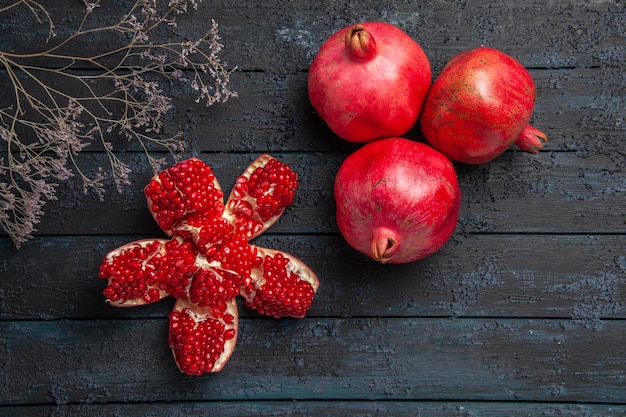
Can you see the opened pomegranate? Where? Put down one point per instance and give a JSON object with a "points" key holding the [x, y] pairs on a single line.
{"points": [[369, 81], [208, 259], [479, 106], [397, 200]]}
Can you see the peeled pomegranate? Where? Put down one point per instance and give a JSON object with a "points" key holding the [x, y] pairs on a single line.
{"points": [[368, 81], [479, 106], [208, 259], [397, 200]]}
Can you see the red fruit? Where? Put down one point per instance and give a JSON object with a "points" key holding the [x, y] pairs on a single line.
{"points": [[260, 196], [185, 188], [397, 200], [369, 81], [283, 285], [209, 261], [479, 106], [145, 271], [200, 340]]}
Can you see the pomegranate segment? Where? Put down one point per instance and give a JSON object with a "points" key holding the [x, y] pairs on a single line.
{"points": [[209, 261], [187, 187], [145, 271], [260, 195], [282, 285], [202, 341]]}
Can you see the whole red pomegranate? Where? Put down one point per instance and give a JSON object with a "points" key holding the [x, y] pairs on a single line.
{"points": [[368, 81], [479, 106], [397, 200]]}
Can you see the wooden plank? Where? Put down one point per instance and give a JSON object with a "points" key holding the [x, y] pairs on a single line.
{"points": [[521, 313], [580, 109], [553, 192], [398, 359], [324, 409], [577, 277], [540, 34]]}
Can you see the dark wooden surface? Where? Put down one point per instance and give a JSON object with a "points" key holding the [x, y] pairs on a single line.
{"points": [[522, 313]]}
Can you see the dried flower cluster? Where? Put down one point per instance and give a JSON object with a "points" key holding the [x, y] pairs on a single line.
{"points": [[76, 100]]}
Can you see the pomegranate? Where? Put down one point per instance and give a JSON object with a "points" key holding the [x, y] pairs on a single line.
{"points": [[368, 81], [397, 200], [479, 106], [208, 260]]}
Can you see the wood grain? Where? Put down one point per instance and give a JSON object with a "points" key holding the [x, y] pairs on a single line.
{"points": [[553, 192], [298, 408], [522, 313], [577, 277], [321, 359], [580, 110], [282, 37]]}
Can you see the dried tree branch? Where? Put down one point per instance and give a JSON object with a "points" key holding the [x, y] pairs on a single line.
{"points": [[63, 120]]}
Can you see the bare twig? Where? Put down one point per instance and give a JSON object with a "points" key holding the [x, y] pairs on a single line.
{"points": [[132, 105]]}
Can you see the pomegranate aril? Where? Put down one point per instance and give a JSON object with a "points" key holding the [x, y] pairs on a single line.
{"points": [[151, 295], [229, 334]]}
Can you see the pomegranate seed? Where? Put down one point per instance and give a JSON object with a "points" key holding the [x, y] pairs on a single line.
{"points": [[229, 334]]}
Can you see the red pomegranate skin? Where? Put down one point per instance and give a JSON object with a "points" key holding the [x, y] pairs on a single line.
{"points": [[397, 200], [479, 105], [369, 81]]}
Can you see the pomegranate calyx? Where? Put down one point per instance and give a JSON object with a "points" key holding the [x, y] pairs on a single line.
{"points": [[384, 244], [360, 44], [531, 139]]}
